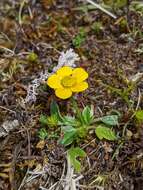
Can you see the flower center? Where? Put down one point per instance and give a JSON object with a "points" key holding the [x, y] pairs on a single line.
{"points": [[68, 81]]}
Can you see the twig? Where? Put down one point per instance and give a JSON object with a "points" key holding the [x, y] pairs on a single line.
{"points": [[62, 176], [30, 12], [20, 11], [70, 183], [132, 116], [43, 188], [53, 185], [101, 8], [13, 163], [7, 50], [139, 100], [29, 145], [91, 187], [5, 36], [7, 109], [84, 146], [23, 181]]}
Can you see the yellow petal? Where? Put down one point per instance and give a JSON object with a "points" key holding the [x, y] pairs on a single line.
{"points": [[54, 81], [64, 71], [80, 87], [80, 74], [63, 93]]}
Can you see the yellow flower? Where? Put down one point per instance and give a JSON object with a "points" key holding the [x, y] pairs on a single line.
{"points": [[68, 80]]}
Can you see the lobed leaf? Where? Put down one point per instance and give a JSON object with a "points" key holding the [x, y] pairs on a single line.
{"points": [[73, 153], [105, 132], [110, 120], [69, 121], [87, 115], [54, 109], [70, 134]]}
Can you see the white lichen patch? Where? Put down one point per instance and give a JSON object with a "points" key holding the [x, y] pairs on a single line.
{"points": [[8, 126], [67, 58]]}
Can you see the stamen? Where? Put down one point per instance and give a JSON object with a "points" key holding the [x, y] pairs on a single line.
{"points": [[68, 81]]}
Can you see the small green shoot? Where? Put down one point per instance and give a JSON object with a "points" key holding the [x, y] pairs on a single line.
{"points": [[32, 57], [43, 120], [139, 116], [79, 39], [87, 115], [52, 121], [97, 27], [123, 24], [54, 109], [42, 134], [123, 93]]}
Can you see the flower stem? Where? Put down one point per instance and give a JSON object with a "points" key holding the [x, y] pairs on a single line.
{"points": [[75, 106]]}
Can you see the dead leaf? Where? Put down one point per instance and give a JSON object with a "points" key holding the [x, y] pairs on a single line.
{"points": [[40, 144], [129, 133]]}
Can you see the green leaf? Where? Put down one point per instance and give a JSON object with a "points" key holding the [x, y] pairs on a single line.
{"points": [[54, 109], [79, 39], [139, 115], [97, 27], [69, 121], [73, 153], [87, 115], [137, 6], [67, 129], [43, 120], [42, 133], [110, 120], [70, 134], [104, 132], [116, 4], [52, 121]]}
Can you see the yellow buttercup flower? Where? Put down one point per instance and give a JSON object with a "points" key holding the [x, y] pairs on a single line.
{"points": [[68, 80]]}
